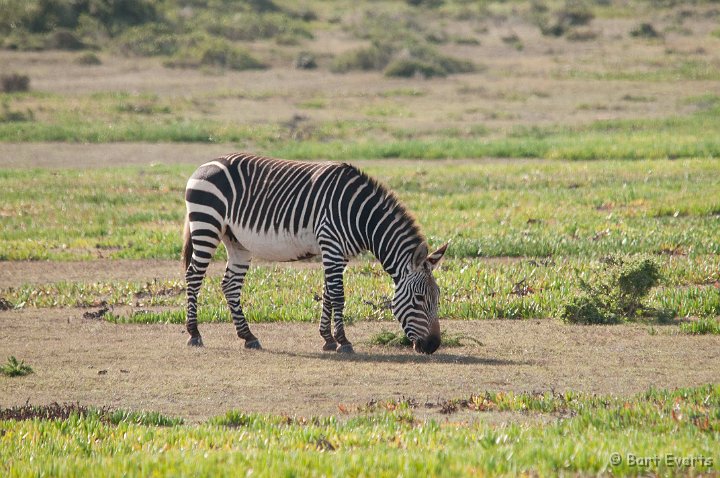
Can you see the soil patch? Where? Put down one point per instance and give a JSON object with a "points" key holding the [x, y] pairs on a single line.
{"points": [[149, 367]]}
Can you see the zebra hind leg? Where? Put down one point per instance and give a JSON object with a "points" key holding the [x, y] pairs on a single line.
{"points": [[232, 283], [197, 252]]}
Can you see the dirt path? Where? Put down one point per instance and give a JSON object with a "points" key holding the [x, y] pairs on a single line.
{"points": [[149, 367]]}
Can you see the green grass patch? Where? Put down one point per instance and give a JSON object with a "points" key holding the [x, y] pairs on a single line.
{"points": [[122, 117], [399, 339], [15, 368], [546, 222], [470, 289], [579, 435], [703, 326]]}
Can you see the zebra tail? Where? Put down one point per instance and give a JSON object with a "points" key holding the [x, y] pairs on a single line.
{"points": [[187, 250]]}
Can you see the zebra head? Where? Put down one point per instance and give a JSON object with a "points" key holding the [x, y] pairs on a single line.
{"points": [[416, 300]]}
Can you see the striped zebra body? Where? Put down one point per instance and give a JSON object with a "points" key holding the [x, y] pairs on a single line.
{"points": [[286, 210]]}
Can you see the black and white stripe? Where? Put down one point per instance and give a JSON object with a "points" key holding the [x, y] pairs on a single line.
{"points": [[287, 210]]}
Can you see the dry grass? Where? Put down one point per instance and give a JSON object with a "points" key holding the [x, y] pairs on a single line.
{"points": [[149, 367]]}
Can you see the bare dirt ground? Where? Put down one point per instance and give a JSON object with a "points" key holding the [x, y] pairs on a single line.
{"points": [[149, 367]]}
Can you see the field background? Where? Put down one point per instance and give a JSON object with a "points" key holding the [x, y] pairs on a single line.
{"points": [[538, 137]]}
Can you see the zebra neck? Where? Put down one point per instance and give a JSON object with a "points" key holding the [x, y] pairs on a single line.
{"points": [[396, 257]]}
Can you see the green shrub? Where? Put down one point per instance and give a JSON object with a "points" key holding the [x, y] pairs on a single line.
{"points": [[62, 39], [400, 45], [42, 16], [149, 40], [615, 292], [645, 30], [583, 309], [410, 67], [254, 26], [404, 58], [7, 115], [374, 57], [305, 61], [214, 52], [14, 82], [89, 58], [15, 368], [572, 14], [399, 339]]}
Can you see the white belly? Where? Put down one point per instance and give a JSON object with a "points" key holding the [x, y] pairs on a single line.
{"points": [[278, 247]]}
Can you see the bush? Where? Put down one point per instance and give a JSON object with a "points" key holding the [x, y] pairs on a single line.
{"points": [[574, 13], [645, 30], [215, 53], [15, 368], [8, 115], [254, 26], [616, 293], [15, 82], [89, 59], [406, 57], [149, 40], [42, 16], [305, 61], [62, 39], [374, 57], [410, 67]]}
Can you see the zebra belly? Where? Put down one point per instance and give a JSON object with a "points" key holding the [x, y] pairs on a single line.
{"points": [[281, 246]]}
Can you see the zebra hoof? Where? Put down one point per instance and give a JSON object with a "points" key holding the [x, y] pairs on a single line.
{"points": [[253, 344], [345, 349], [330, 346], [195, 341]]}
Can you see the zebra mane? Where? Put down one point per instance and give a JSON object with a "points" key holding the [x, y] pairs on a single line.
{"points": [[391, 199]]}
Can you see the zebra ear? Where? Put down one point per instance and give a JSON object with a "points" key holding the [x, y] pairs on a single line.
{"points": [[419, 256], [434, 259]]}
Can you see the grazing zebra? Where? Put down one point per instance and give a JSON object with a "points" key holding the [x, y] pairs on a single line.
{"points": [[288, 210]]}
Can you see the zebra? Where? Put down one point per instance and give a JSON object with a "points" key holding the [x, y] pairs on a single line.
{"points": [[281, 210]]}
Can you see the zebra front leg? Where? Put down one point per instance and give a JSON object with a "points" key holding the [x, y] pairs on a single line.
{"points": [[334, 303], [325, 319], [232, 283]]}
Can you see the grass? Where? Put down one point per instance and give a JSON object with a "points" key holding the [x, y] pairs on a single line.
{"points": [[577, 436], [125, 117], [470, 289], [15, 368], [703, 326], [399, 339], [547, 223], [487, 209]]}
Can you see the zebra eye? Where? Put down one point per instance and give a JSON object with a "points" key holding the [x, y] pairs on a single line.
{"points": [[419, 297]]}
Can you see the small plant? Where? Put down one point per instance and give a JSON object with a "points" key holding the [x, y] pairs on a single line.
{"points": [[15, 368], [15, 82], [615, 293], [88, 58], [704, 326], [644, 30], [398, 339], [574, 13], [8, 115], [305, 61]]}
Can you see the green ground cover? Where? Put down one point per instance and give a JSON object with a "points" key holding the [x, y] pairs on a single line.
{"points": [[487, 209], [546, 222], [123, 117], [570, 433]]}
